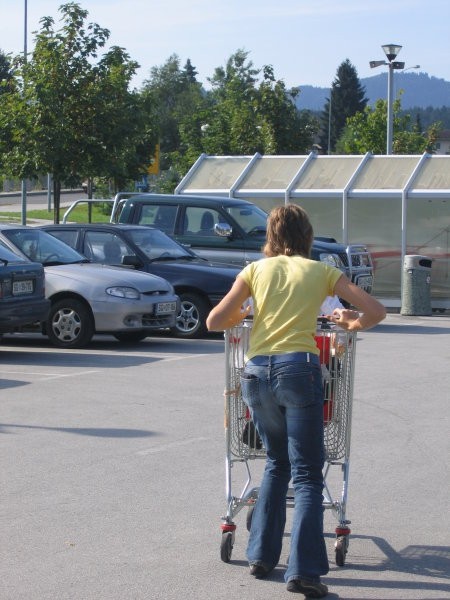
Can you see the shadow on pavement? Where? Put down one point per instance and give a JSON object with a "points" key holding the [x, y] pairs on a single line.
{"points": [[94, 431], [212, 344], [58, 359], [410, 329], [416, 560]]}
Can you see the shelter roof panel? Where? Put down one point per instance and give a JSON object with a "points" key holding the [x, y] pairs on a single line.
{"points": [[216, 173], [433, 175], [272, 172], [328, 172], [385, 172]]}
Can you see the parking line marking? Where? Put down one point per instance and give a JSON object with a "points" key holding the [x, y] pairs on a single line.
{"points": [[48, 376], [182, 357], [164, 447]]}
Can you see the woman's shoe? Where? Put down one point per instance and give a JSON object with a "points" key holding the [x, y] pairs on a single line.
{"points": [[311, 589], [259, 571]]}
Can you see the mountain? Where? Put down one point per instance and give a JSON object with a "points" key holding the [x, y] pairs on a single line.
{"points": [[419, 90]]}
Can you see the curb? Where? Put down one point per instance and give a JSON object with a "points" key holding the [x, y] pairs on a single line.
{"points": [[18, 194]]}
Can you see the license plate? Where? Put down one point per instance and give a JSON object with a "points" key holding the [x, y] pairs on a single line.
{"points": [[163, 308], [22, 287]]}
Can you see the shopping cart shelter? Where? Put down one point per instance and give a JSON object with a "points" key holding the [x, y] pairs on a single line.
{"points": [[396, 205]]}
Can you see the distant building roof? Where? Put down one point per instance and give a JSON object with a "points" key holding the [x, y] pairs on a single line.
{"points": [[444, 135]]}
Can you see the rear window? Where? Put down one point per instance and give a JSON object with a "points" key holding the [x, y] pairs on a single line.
{"points": [[8, 255], [68, 236]]}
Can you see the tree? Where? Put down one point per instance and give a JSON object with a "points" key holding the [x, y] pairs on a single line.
{"points": [[70, 116], [292, 130], [122, 137], [7, 87], [190, 73], [347, 97], [247, 110], [366, 132], [176, 99], [248, 115], [431, 115], [6, 73]]}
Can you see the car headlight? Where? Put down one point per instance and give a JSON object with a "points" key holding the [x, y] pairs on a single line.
{"points": [[333, 260], [121, 291]]}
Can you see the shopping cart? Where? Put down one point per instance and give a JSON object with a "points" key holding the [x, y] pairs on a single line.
{"points": [[243, 445]]}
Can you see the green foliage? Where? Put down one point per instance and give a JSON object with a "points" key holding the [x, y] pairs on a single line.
{"points": [[430, 116], [166, 182], [70, 115], [246, 111], [6, 73], [366, 132], [100, 213], [172, 93], [347, 98]]}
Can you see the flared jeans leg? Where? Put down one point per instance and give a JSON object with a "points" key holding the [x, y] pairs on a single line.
{"points": [[286, 402], [308, 557]]}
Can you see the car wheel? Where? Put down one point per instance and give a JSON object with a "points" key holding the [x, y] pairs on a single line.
{"points": [[70, 324], [191, 320], [129, 337]]}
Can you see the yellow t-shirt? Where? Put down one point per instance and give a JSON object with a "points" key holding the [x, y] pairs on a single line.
{"points": [[287, 292]]}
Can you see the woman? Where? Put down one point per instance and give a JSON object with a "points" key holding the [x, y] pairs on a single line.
{"points": [[282, 386]]}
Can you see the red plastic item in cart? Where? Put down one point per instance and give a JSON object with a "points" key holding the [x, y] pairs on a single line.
{"points": [[323, 343]]}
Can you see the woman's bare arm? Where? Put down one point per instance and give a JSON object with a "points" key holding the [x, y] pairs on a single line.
{"points": [[372, 311], [229, 310]]}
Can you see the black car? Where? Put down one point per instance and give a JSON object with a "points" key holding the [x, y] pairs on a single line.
{"points": [[199, 283], [22, 292]]}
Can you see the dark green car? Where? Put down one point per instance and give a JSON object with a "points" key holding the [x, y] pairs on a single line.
{"points": [[231, 231]]}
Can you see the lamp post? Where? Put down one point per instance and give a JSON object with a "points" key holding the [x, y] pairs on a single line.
{"points": [[332, 88], [391, 51], [24, 181]]}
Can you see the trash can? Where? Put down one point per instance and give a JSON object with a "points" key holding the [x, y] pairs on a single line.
{"points": [[416, 285]]}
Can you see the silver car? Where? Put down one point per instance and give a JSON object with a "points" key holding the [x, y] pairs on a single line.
{"points": [[90, 298]]}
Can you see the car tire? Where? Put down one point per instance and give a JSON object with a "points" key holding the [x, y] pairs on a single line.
{"points": [[129, 337], [191, 320], [70, 324]]}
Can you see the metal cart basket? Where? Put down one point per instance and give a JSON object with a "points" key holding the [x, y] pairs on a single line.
{"points": [[243, 445]]}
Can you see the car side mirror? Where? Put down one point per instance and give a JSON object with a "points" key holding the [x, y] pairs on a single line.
{"points": [[131, 260], [223, 229]]}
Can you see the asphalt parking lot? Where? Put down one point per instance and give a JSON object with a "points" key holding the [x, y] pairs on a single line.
{"points": [[113, 475]]}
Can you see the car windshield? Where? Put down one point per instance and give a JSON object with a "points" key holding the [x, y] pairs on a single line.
{"points": [[251, 218], [156, 245], [40, 246]]}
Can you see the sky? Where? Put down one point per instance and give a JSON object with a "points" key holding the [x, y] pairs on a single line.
{"points": [[304, 41]]}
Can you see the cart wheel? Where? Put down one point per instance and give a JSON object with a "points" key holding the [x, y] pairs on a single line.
{"points": [[340, 548], [250, 517], [226, 546]]}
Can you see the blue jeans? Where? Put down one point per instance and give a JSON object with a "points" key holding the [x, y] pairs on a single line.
{"points": [[285, 397]]}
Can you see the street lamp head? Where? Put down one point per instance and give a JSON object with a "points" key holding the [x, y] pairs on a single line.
{"points": [[377, 63], [391, 51]]}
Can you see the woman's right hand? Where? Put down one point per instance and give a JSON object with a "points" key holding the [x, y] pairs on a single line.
{"points": [[371, 311], [345, 318]]}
